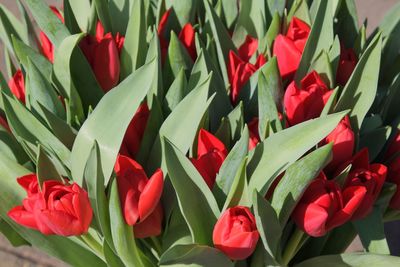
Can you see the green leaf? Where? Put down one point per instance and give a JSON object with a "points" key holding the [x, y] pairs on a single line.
{"points": [[347, 22], [10, 26], [95, 185], [175, 92], [265, 164], [133, 52], [42, 93], [102, 124], [112, 259], [222, 40], [267, 225], [104, 14], [120, 14], [359, 92], [375, 140], [372, 234], [48, 22], [10, 148], [351, 260], [194, 255], [252, 18], [11, 194], [185, 10], [330, 104], [122, 234], [273, 31], [300, 10], [12, 236], [269, 92], [26, 126], [201, 212], [230, 12], [322, 65], [320, 38], [391, 108], [236, 121], [334, 57], [156, 89], [81, 10], [176, 231], [45, 168], [296, 179], [232, 165]]}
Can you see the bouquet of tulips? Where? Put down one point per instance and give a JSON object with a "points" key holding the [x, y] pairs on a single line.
{"points": [[199, 132]]}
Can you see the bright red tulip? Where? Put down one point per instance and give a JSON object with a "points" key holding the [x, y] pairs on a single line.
{"points": [[239, 67], [102, 52], [17, 86], [46, 45], [369, 176], [134, 134], [211, 153], [307, 101], [235, 233], [139, 195], [58, 209], [347, 63], [325, 206], [343, 141], [288, 48], [186, 36]]}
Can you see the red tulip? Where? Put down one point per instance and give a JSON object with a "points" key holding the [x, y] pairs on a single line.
{"points": [[369, 176], [347, 63], [235, 233], [325, 206], [17, 86], [186, 36], [46, 45], [211, 153], [139, 195], [289, 49], [134, 134], [394, 177], [58, 209], [102, 53], [343, 141], [239, 67], [253, 131], [151, 226], [307, 101], [4, 124]]}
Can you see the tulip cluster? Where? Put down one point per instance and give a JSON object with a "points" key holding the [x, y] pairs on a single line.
{"points": [[205, 133]]}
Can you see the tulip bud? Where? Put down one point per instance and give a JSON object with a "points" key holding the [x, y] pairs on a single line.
{"points": [[235, 233], [46, 46], [289, 49], [17, 86]]}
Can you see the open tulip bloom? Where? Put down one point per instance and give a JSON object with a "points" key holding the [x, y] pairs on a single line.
{"points": [[199, 133]]}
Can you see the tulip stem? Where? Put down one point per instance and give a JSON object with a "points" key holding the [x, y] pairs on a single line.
{"points": [[93, 244], [292, 246], [156, 244]]}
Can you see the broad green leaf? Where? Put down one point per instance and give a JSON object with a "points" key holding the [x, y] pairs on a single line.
{"points": [[230, 12], [232, 164], [81, 10], [175, 92], [201, 212], [265, 164], [194, 255], [176, 231], [122, 234], [330, 104], [267, 225], [270, 92], [300, 10], [26, 126], [274, 7], [334, 57], [252, 18], [236, 121], [10, 148], [10, 26], [320, 38], [347, 22], [375, 141], [185, 10], [222, 40], [274, 29], [47, 21], [296, 179], [95, 186], [391, 108], [351, 260], [101, 126], [359, 92], [238, 194], [156, 89], [12, 236], [42, 93], [45, 168], [322, 65], [69, 18], [112, 259], [372, 234], [133, 52], [11, 194], [223, 132], [120, 14], [339, 239], [104, 14]]}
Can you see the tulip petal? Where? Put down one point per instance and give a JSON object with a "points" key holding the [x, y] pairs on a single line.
{"points": [[151, 194], [151, 226]]}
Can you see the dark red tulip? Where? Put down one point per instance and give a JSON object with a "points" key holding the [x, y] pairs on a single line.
{"points": [[17, 86], [211, 153], [253, 131], [152, 225], [288, 48], [235, 233], [347, 64]]}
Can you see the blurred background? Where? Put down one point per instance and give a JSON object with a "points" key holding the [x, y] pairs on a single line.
{"points": [[372, 10]]}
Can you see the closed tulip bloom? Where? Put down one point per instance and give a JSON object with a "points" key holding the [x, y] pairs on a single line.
{"points": [[17, 86], [152, 225], [343, 141], [134, 134], [239, 67], [307, 101], [139, 195], [288, 48], [46, 46], [102, 52], [59, 209], [369, 176], [211, 153], [347, 64], [235, 233], [325, 206]]}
